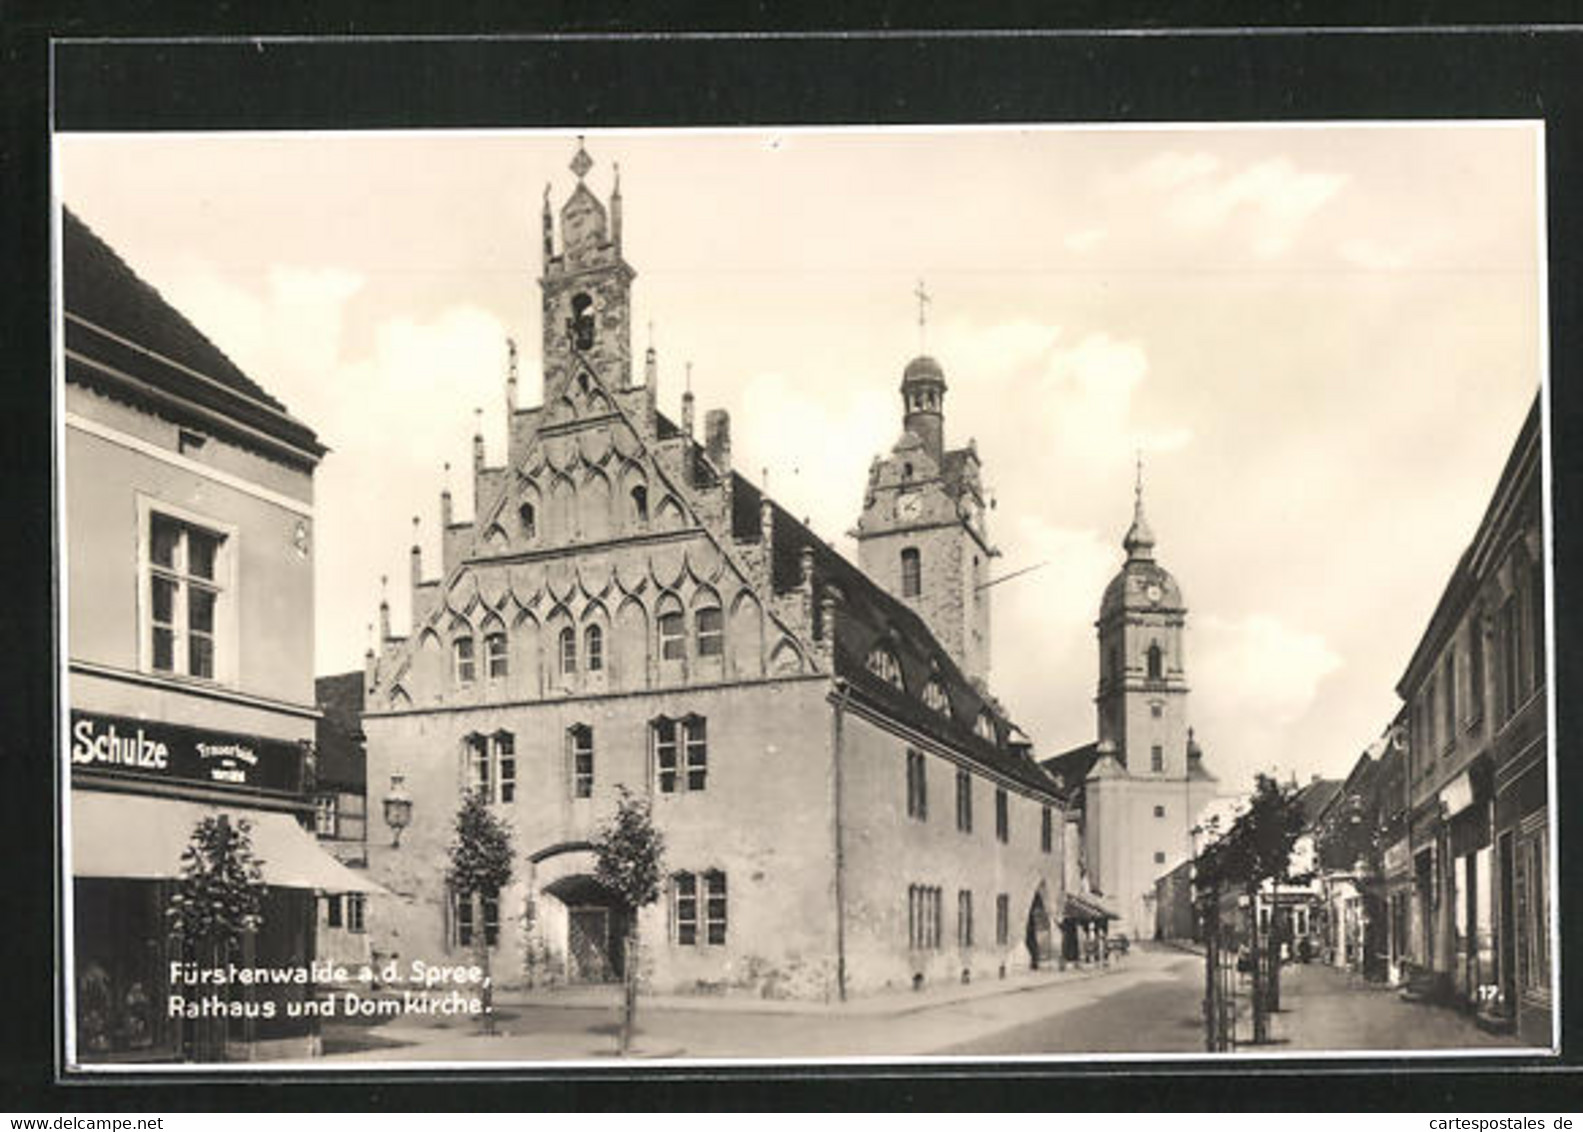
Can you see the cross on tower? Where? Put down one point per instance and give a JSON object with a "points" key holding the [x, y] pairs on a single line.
{"points": [[1137, 489], [924, 300]]}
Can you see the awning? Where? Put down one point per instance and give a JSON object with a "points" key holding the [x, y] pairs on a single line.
{"points": [[136, 837], [1085, 909]]}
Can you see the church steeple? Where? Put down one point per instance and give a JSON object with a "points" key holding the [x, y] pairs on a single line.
{"points": [[923, 390], [1139, 543]]}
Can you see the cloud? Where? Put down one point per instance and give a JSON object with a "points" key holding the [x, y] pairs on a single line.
{"points": [[817, 447], [1273, 197], [1272, 670], [1371, 256], [1086, 239]]}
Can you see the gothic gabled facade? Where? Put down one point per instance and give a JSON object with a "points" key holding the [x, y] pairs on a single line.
{"points": [[626, 611]]}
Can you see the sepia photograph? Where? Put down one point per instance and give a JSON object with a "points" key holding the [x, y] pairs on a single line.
{"points": [[810, 595]]}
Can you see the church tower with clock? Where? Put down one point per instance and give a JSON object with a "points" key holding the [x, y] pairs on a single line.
{"points": [[922, 533], [1142, 695]]}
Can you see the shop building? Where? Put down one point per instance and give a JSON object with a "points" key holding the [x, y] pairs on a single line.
{"points": [[1480, 833], [188, 515], [340, 814], [845, 806]]}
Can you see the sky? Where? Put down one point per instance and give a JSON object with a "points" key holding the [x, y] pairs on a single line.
{"points": [[1322, 340]]}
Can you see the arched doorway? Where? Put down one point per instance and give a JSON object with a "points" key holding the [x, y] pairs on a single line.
{"points": [[596, 928], [1037, 935]]}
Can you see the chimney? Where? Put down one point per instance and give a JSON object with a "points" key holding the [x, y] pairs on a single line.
{"points": [[384, 612], [805, 586], [478, 440], [766, 522], [717, 440], [651, 367]]}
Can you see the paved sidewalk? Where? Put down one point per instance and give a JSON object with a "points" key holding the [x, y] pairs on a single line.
{"points": [[582, 1024], [1325, 1008]]}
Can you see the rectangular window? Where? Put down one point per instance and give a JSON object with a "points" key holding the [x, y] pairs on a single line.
{"points": [[665, 735], [917, 787], [1046, 830], [685, 887], [184, 594], [911, 573], [1536, 621], [697, 735], [1002, 816], [355, 907], [1506, 646], [332, 910], [1159, 858], [580, 739], [1533, 899], [1159, 811], [506, 765], [466, 929], [711, 632], [1002, 919], [324, 815], [1476, 667], [1157, 758], [681, 753], [715, 907], [964, 918], [568, 640], [672, 643], [923, 917], [462, 653], [478, 766], [964, 801], [1429, 717], [495, 655], [594, 648], [1448, 677]]}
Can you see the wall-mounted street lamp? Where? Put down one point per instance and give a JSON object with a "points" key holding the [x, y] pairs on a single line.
{"points": [[398, 808]]}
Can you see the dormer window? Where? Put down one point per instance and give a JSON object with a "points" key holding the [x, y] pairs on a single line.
{"points": [[935, 699], [882, 663], [984, 726]]}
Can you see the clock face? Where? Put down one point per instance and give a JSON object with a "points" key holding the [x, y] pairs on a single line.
{"points": [[1154, 593], [908, 506]]}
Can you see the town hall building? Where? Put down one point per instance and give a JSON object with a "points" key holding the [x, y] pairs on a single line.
{"points": [[845, 806]]}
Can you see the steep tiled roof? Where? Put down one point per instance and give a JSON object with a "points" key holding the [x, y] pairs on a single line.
{"points": [[1316, 796], [338, 733], [868, 616], [1071, 767], [107, 307]]}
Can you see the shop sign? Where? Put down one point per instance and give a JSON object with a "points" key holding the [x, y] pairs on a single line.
{"points": [[149, 748], [1397, 856], [1457, 795]]}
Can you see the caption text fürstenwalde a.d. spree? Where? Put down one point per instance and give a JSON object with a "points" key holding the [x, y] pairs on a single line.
{"points": [[387, 991]]}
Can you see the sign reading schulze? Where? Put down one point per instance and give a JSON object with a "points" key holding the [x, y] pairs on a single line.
{"points": [[154, 749]]}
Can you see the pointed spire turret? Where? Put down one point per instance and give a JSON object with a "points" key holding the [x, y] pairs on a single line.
{"points": [[615, 209], [511, 378], [1139, 542]]}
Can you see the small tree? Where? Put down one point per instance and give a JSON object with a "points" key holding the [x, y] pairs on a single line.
{"points": [[480, 867], [629, 852], [219, 899], [1257, 848]]}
